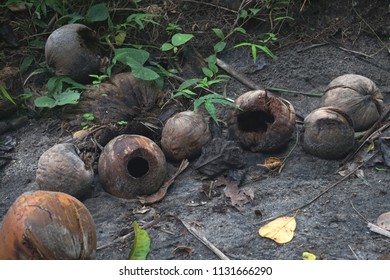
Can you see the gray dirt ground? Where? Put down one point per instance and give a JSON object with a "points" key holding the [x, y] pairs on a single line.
{"points": [[331, 227]]}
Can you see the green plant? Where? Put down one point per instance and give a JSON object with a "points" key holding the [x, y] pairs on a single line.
{"points": [[5, 93], [261, 45], [177, 40], [88, 119], [61, 91]]}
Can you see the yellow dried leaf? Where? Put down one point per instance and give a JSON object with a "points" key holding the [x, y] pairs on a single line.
{"points": [[272, 163], [280, 230], [308, 256]]}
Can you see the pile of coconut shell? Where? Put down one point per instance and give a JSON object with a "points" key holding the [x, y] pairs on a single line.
{"points": [[132, 159]]}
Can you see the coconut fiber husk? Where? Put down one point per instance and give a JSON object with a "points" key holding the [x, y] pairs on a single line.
{"points": [[124, 104]]}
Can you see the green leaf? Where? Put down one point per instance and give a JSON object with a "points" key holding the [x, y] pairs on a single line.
{"points": [[254, 53], [220, 46], [254, 11], [245, 44], [188, 83], [37, 44], [89, 116], [167, 47], [243, 14], [219, 33], [67, 97], [198, 102], [267, 51], [240, 29], [283, 18], [6, 94], [98, 12], [141, 244], [144, 73], [26, 63], [211, 110], [179, 39], [44, 102], [185, 92], [207, 72], [129, 56]]}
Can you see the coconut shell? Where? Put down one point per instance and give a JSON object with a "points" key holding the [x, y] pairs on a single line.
{"points": [[131, 166], [357, 96], [262, 123], [184, 135], [47, 225], [328, 133], [61, 169], [72, 50]]}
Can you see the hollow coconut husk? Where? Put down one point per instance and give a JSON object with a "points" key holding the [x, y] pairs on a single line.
{"points": [[262, 123], [72, 50], [357, 96], [328, 133]]}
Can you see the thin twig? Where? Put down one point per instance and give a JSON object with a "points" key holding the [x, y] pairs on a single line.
{"points": [[353, 252], [356, 52], [322, 193], [311, 47], [200, 236], [129, 235], [379, 230]]}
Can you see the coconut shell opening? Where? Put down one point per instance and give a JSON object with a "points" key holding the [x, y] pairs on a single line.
{"points": [[138, 167], [254, 121]]}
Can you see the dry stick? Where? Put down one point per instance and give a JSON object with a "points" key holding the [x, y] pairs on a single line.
{"points": [[204, 240], [238, 76], [379, 230], [369, 133], [126, 236], [323, 192]]}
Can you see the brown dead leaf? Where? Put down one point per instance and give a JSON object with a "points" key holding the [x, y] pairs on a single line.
{"points": [[383, 221], [184, 249], [272, 163], [141, 210], [280, 230], [238, 197]]}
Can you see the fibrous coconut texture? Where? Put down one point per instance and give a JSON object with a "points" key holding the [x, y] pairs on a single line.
{"points": [[328, 133], [131, 166], [262, 123], [61, 169], [125, 99], [358, 97], [184, 135]]}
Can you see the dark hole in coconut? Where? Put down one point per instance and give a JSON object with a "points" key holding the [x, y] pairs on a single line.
{"points": [[254, 121], [138, 167]]}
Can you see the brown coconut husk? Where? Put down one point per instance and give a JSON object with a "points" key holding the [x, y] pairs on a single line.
{"points": [[358, 97], [124, 98]]}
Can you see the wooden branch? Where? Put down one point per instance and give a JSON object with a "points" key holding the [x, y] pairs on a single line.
{"points": [[378, 230], [200, 236]]}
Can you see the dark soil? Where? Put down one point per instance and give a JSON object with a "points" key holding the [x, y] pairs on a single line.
{"points": [[324, 41]]}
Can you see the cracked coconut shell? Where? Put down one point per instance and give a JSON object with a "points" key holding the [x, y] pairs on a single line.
{"points": [[72, 50], [357, 96], [44, 225], [132, 166], [262, 123], [61, 169], [328, 133], [184, 135]]}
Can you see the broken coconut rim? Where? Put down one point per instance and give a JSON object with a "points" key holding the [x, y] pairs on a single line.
{"points": [[262, 123]]}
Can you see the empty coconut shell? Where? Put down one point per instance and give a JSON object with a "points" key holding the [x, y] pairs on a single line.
{"points": [[262, 123], [131, 166], [357, 96], [61, 169], [72, 50], [328, 133], [47, 225], [184, 135]]}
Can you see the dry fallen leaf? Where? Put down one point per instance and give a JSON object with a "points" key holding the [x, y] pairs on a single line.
{"points": [[272, 163], [383, 221], [184, 249], [280, 230], [238, 197]]}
